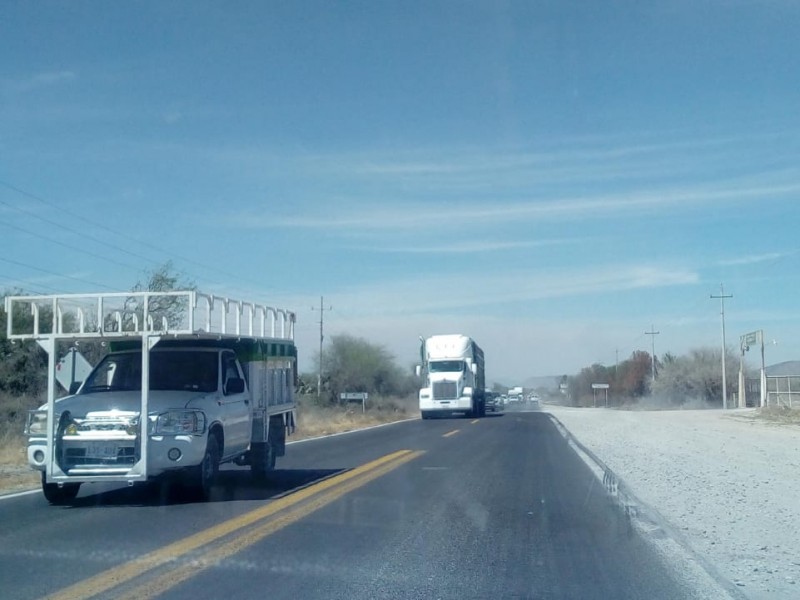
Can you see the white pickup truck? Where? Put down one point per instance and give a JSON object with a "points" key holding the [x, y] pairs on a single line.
{"points": [[215, 378]]}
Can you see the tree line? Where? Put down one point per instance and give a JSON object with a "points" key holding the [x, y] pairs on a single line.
{"points": [[690, 378]]}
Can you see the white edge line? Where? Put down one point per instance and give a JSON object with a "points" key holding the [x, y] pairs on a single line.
{"points": [[330, 435], [18, 494], [311, 439]]}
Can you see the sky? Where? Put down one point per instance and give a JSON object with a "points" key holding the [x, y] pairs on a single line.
{"points": [[552, 178]]}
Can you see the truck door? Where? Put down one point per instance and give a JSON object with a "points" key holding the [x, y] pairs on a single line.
{"points": [[235, 405]]}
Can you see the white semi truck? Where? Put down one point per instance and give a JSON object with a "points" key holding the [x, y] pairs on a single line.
{"points": [[215, 378], [453, 368]]}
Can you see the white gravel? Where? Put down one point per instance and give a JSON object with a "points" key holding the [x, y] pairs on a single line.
{"points": [[729, 483]]}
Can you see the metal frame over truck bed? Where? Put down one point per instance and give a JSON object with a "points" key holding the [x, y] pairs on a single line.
{"points": [[150, 318]]}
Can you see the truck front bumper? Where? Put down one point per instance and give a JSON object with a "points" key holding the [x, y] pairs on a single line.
{"points": [[113, 458], [455, 405]]}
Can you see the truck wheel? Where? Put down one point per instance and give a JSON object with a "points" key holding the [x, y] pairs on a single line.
{"points": [[59, 495], [204, 475], [425, 414], [262, 460]]}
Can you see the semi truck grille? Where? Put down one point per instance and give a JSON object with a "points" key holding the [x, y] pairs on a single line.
{"points": [[445, 390]]}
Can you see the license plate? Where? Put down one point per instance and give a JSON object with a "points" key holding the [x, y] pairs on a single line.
{"points": [[101, 450]]}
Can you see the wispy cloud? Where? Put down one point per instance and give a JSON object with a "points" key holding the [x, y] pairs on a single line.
{"points": [[38, 80], [470, 247], [504, 288], [396, 215], [752, 259]]}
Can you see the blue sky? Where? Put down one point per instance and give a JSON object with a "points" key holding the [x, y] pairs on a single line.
{"points": [[551, 178]]}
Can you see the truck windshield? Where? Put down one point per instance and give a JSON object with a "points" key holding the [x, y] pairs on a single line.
{"points": [[446, 366], [173, 371]]}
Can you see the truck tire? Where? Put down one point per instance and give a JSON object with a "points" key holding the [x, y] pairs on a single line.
{"points": [[262, 460], [204, 475], [59, 496], [425, 414]]}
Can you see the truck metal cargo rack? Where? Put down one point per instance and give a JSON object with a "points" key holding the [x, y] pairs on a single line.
{"points": [[145, 316]]}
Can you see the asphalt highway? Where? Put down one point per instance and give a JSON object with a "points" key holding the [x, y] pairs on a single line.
{"points": [[499, 507]]}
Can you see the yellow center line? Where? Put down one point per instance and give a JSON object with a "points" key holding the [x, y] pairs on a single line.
{"points": [[475, 421], [174, 576], [449, 433], [120, 574]]}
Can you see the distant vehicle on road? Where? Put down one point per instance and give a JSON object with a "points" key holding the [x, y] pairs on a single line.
{"points": [[494, 402], [454, 377]]}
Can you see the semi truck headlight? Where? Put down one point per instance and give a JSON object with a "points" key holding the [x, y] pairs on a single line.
{"points": [[37, 423], [180, 422]]}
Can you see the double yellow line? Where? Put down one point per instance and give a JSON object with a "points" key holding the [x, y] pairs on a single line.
{"points": [[211, 549]]}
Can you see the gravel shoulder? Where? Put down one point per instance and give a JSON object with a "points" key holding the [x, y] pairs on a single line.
{"points": [[727, 481]]}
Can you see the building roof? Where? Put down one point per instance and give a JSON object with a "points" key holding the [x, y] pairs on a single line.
{"points": [[790, 368]]}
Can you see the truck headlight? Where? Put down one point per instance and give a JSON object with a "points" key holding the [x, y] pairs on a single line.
{"points": [[36, 425], [180, 422]]}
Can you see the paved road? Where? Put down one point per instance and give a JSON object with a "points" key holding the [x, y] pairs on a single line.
{"points": [[499, 507]]}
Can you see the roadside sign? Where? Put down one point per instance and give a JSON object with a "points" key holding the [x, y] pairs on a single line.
{"points": [[600, 386], [355, 397], [72, 367]]}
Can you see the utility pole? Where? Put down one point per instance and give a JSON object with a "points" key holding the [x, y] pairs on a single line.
{"points": [[722, 297], [653, 333], [322, 310]]}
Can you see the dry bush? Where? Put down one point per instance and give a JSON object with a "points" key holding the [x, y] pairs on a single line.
{"points": [[780, 414], [314, 418], [13, 413]]}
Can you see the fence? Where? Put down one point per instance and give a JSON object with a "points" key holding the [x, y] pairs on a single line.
{"points": [[783, 391]]}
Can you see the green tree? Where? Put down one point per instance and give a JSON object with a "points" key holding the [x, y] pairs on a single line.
{"points": [[353, 364]]}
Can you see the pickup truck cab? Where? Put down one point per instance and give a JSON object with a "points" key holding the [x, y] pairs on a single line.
{"points": [[194, 393]]}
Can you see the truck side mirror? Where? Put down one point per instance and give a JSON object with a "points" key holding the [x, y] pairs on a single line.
{"points": [[474, 368], [74, 387], [418, 370], [234, 386]]}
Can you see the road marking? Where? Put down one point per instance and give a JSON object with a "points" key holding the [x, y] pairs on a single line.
{"points": [[18, 494], [475, 422], [104, 581], [449, 433], [177, 575], [330, 435]]}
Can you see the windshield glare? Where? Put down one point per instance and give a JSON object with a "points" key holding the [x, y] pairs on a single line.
{"points": [[169, 371], [446, 366]]}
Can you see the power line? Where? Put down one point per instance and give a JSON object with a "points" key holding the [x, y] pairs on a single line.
{"points": [[127, 236], [322, 310], [27, 266], [81, 234], [653, 333], [69, 246], [722, 295]]}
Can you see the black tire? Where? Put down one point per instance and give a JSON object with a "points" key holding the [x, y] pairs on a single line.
{"points": [[204, 475], [58, 496], [425, 414], [262, 460]]}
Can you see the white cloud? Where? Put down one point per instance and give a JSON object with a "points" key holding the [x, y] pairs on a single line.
{"points": [[441, 293], [39, 80], [753, 259], [397, 215], [470, 247]]}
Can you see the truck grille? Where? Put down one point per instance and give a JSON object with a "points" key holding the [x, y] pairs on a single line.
{"points": [[76, 457], [445, 390]]}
